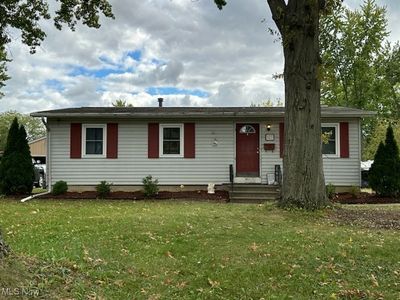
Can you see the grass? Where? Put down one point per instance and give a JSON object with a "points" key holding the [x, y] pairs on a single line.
{"points": [[191, 250]]}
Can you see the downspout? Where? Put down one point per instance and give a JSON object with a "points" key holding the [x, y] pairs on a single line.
{"points": [[360, 150], [48, 162], [45, 124], [34, 196]]}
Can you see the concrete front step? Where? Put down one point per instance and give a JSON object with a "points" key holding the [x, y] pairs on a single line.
{"points": [[256, 185], [253, 193], [253, 196], [250, 200]]}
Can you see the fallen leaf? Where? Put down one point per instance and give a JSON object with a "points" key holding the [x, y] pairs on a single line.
{"points": [[119, 283], [169, 254], [181, 285], [213, 284], [374, 280], [254, 247]]}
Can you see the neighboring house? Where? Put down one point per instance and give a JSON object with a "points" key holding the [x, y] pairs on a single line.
{"points": [[38, 149], [187, 145]]}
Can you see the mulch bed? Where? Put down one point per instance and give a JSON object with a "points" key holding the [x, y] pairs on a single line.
{"points": [[376, 219], [219, 196], [363, 198]]}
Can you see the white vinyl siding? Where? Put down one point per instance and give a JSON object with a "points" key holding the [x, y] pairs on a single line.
{"points": [[215, 151], [210, 165], [338, 171], [346, 171]]}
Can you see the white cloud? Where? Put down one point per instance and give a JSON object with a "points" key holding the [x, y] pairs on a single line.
{"points": [[185, 44]]}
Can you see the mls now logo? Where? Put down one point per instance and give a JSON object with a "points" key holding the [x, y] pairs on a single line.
{"points": [[19, 291]]}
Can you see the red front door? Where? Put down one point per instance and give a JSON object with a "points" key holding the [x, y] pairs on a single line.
{"points": [[247, 150]]}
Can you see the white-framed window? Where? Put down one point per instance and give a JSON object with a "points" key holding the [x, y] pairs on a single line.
{"points": [[94, 140], [330, 139], [171, 140]]}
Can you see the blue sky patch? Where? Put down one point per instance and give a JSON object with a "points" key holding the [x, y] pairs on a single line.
{"points": [[176, 91], [54, 84], [136, 54], [97, 73]]}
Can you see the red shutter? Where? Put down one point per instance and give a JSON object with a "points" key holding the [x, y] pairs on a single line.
{"points": [[112, 140], [75, 142], [189, 140], [281, 138], [153, 140], [344, 139]]}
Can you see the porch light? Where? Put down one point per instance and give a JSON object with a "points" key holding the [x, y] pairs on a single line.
{"points": [[269, 127]]}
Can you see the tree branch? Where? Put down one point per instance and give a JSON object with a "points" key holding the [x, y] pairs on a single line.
{"points": [[278, 10], [220, 3]]}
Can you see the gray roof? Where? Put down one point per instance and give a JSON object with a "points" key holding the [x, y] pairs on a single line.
{"points": [[190, 112]]}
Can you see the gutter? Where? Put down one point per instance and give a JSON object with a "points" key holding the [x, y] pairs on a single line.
{"points": [[227, 115], [34, 196], [45, 123]]}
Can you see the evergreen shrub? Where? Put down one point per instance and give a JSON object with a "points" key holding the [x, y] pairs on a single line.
{"points": [[103, 189], [384, 175], [60, 187], [16, 168]]}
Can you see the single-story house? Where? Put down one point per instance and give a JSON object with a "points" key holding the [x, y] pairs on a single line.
{"points": [[189, 146]]}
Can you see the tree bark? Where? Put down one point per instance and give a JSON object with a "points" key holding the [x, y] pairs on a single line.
{"points": [[303, 177], [4, 249]]}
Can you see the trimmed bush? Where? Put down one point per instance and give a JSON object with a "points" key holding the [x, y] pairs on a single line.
{"points": [[59, 188], [384, 175], [150, 186], [103, 189], [16, 168]]}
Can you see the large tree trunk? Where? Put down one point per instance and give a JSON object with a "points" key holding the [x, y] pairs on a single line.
{"points": [[4, 249], [303, 177]]}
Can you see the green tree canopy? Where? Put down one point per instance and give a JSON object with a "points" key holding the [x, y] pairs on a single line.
{"points": [[353, 51], [121, 103], [33, 126], [378, 135], [360, 67]]}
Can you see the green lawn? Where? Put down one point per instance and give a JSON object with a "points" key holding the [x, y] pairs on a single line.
{"points": [[191, 250]]}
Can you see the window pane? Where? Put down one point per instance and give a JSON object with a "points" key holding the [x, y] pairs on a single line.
{"points": [[172, 133], [247, 129], [94, 147], [329, 140], [331, 131], [94, 134], [171, 147], [329, 148]]}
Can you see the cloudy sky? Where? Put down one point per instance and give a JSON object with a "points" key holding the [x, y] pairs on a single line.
{"points": [[186, 51]]}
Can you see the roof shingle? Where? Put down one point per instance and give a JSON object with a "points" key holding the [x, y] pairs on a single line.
{"points": [[201, 112]]}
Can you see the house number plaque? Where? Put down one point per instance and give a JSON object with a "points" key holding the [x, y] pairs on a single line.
{"points": [[269, 137]]}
